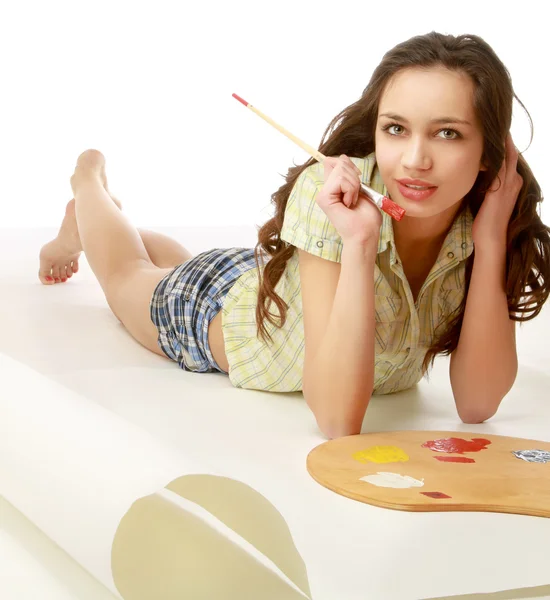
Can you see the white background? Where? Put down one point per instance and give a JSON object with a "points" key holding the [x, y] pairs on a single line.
{"points": [[150, 83]]}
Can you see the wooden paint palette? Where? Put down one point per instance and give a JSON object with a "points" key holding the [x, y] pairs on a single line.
{"points": [[437, 470]]}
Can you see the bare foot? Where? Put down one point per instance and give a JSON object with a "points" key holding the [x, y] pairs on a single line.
{"points": [[59, 258]]}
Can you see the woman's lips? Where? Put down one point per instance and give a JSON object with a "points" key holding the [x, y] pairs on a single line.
{"points": [[412, 194]]}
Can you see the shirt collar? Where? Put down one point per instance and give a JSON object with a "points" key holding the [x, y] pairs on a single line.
{"points": [[458, 242]]}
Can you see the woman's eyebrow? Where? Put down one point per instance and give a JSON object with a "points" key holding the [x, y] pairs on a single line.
{"points": [[439, 120]]}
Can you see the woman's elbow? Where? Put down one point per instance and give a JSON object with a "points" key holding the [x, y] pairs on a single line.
{"points": [[474, 419], [337, 428], [475, 415]]}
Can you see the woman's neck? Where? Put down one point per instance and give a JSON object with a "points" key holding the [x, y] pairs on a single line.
{"points": [[413, 234]]}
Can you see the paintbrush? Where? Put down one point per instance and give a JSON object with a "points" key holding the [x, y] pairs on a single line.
{"points": [[383, 202]]}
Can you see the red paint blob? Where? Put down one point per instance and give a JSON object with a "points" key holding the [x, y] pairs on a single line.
{"points": [[457, 445], [435, 494], [457, 459]]}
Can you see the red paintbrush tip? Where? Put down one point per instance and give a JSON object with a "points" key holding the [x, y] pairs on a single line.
{"points": [[240, 99], [393, 209]]}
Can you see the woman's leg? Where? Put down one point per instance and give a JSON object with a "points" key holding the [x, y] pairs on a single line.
{"points": [[59, 258], [114, 249], [163, 251]]}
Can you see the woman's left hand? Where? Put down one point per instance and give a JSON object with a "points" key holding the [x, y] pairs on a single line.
{"points": [[491, 222]]}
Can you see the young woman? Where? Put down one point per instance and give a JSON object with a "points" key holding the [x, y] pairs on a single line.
{"points": [[337, 299]]}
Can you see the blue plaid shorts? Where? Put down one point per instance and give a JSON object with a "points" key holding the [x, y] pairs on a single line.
{"points": [[189, 297]]}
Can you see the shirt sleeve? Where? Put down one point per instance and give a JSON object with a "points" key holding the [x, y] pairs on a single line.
{"points": [[305, 225]]}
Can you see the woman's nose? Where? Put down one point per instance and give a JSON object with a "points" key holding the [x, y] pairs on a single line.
{"points": [[415, 156]]}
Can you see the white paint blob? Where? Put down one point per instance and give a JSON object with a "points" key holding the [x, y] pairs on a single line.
{"points": [[393, 480], [539, 456]]}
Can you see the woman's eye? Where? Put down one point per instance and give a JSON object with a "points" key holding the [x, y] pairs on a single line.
{"points": [[452, 131], [453, 134], [390, 126]]}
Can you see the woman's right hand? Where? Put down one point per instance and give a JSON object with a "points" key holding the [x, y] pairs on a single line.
{"points": [[354, 216]]}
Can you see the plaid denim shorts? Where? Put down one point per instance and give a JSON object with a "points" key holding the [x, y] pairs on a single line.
{"points": [[189, 297]]}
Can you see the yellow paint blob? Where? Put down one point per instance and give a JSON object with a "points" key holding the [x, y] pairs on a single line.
{"points": [[381, 454]]}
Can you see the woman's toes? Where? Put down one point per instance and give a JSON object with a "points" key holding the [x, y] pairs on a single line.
{"points": [[58, 257], [45, 271], [55, 274], [45, 276]]}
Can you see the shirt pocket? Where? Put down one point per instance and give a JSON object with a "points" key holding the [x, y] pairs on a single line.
{"points": [[389, 325]]}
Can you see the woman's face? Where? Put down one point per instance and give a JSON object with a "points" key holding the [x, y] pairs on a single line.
{"points": [[443, 154]]}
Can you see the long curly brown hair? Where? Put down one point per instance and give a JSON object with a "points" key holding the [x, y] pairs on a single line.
{"points": [[352, 132]]}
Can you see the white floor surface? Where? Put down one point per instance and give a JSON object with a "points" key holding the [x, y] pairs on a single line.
{"points": [[352, 551]]}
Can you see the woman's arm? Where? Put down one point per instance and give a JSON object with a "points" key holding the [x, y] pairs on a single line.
{"points": [[484, 365], [339, 327]]}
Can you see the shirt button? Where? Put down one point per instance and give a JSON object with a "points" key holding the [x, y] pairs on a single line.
{"points": [[450, 255], [464, 244], [319, 244]]}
